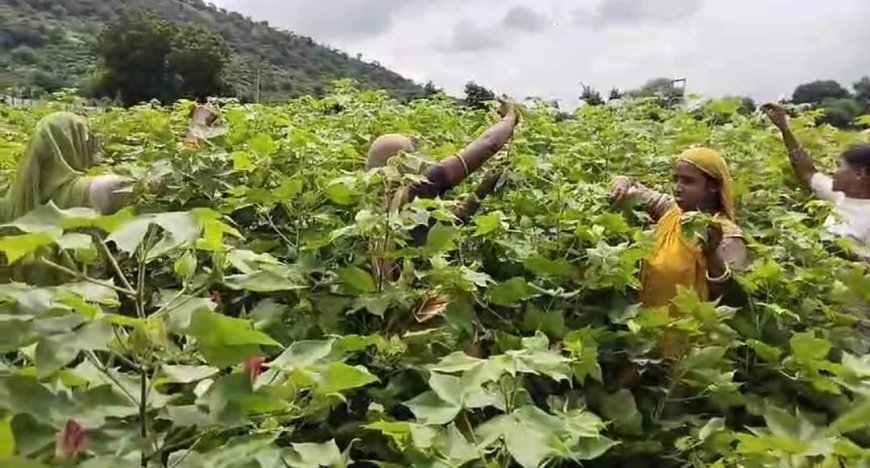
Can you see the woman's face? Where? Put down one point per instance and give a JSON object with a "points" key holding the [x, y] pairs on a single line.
{"points": [[849, 180], [694, 190]]}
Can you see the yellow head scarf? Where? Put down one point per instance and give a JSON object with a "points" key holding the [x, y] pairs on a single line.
{"points": [[676, 262], [713, 164]]}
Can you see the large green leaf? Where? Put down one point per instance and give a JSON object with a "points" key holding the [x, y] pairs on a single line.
{"points": [[315, 455], [17, 247], [302, 354], [430, 409], [511, 292], [357, 280], [339, 377], [55, 352], [7, 438], [214, 328]]}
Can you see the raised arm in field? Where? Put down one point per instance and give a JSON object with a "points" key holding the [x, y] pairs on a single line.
{"points": [[800, 160], [656, 204], [452, 171]]}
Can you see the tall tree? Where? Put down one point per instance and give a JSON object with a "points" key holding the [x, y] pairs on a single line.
{"points": [[818, 91], [615, 94], [840, 113], [477, 96], [146, 58], [134, 50], [664, 89], [196, 61], [862, 94], [591, 96], [429, 89]]}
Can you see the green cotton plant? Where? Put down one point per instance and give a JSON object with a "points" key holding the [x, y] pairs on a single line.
{"points": [[232, 317], [123, 358]]}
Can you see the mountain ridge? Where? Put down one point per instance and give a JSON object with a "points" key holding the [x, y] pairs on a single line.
{"points": [[48, 44]]}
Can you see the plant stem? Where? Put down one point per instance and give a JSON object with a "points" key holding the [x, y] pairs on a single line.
{"points": [[80, 276], [143, 410], [143, 368], [114, 263], [96, 362]]}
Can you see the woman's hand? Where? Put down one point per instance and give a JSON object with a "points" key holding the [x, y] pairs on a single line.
{"points": [[508, 110], [713, 240], [776, 114], [110, 193], [621, 188], [489, 184]]}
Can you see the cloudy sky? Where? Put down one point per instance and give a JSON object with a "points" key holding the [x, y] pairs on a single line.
{"points": [[546, 48]]}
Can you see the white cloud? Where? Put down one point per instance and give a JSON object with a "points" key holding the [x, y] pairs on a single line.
{"points": [[763, 48]]}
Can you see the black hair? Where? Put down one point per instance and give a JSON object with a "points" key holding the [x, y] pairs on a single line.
{"points": [[858, 157], [201, 98]]}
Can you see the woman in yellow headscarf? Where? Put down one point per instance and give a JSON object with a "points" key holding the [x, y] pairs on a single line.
{"points": [[702, 183]]}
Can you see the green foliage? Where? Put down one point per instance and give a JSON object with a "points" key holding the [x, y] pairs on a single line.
{"points": [[147, 58], [232, 319], [593, 98], [841, 108], [476, 96], [817, 92], [664, 90], [134, 50]]}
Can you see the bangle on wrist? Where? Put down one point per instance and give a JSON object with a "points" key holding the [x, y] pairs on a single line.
{"points": [[725, 276], [464, 164]]}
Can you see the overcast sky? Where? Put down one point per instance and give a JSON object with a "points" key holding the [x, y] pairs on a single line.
{"points": [[546, 48]]}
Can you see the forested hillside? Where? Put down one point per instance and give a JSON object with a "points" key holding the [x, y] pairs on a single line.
{"points": [[49, 44]]}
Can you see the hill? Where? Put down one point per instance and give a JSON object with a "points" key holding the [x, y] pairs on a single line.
{"points": [[48, 44]]}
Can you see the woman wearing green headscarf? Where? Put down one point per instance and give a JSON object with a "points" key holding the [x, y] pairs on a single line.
{"points": [[53, 169]]}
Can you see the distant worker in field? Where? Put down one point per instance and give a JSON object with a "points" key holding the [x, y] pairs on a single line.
{"points": [[53, 169], [447, 174], [702, 183], [202, 119], [848, 189]]}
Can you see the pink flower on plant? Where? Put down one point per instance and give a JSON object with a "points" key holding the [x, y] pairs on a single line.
{"points": [[70, 441], [216, 297], [254, 367]]}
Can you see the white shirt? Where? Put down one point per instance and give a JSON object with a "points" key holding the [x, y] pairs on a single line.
{"points": [[854, 212]]}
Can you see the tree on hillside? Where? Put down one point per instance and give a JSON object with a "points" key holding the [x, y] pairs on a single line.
{"points": [[591, 96], [134, 50], [747, 105], [665, 89], [197, 61], [145, 58], [429, 89], [817, 91], [476, 96], [862, 94], [615, 94], [840, 113]]}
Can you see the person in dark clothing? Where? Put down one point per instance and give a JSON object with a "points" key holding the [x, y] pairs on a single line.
{"points": [[444, 176]]}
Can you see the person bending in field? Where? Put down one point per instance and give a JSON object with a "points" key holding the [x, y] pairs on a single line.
{"points": [[848, 189], [702, 183], [445, 175], [52, 169], [202, 118]]}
